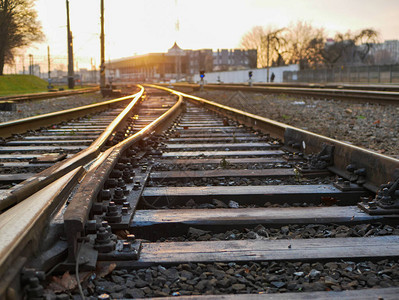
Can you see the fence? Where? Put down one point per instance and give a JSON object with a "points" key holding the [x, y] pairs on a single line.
{"points": [[357, 74], [38, 65], [240, 76]]}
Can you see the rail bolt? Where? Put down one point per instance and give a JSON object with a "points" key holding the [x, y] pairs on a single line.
{"points": [[113, 215], [110, 183], [103, 241], [91, 226], [105, 194], [127, 246], [120, 166], [103, 236], [106, 226], [385, 199], [131, 238], [372, 205], [115, 173], [119, 196], [351, 168], [34, 290], [118, 193]]}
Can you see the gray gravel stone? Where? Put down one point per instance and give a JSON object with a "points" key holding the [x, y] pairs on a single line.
{"points": [[370, 126], [32, 108]]}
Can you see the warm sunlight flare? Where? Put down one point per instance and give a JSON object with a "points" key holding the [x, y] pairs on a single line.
{"points": [[138, 27]]}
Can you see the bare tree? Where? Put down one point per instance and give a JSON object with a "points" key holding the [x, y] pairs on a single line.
{"points": [[305, 43], [308, 46], [365, 40], [18, 27], [253, 40], [350, 48], [257, 38], [275, 45]]}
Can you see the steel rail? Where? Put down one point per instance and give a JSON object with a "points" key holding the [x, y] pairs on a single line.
{"points": [[22, 225], [379, 168], [330, 93], [40, 180], [9, 128], [78, 210], [20, 236], [46, 95], [349, 86], [17, 249]]}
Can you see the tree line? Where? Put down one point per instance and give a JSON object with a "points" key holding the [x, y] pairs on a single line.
{"points": [[309, 46]]}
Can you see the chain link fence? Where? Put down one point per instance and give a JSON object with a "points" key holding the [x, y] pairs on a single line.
{"points": [[355, 74], [38, 65]]}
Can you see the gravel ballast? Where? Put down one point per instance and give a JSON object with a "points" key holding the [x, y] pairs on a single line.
{"points": [[25, 109], [241, 278], [370, 126]]}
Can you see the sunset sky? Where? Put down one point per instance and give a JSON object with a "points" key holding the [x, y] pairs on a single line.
{"points": [[143, 26]]}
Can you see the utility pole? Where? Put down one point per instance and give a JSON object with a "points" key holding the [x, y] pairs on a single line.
{"points": [[31, 64], [48, 63], [48, 67], [267, 58], [71, 81], [23, 64], [102, 42]]}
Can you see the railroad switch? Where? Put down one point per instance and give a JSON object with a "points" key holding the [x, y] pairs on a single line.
{"points": [[118, 200]]}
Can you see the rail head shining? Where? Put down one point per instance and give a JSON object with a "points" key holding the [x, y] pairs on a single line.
{"points": [[40, 180], [380, 168]]}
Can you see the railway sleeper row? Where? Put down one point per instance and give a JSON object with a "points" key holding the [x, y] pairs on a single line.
{"points": [[23, 156], [137, 226]]}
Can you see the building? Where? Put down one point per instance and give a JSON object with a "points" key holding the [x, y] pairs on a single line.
{"points": [[178, 64], [234, 59]]}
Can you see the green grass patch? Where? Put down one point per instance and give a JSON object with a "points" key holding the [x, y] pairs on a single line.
{"points": [[26, 84], [21, 84]]}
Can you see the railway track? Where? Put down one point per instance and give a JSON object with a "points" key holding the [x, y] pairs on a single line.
{"points": [[206, 200], [46, 95], [357, 94]]}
